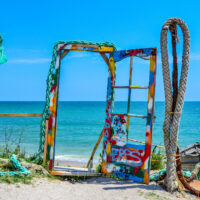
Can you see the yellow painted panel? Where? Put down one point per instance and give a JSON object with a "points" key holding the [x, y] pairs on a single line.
{"points": [[127, 123], [55, 173], [51, 108], [104, 168], [134, 87], [108, 149], [146, 177], [49, 139], [152, 63], [52, 132], [103, 48], [112, 66]]}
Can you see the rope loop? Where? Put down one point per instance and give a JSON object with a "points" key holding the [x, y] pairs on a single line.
{"points": [[173, 110]]}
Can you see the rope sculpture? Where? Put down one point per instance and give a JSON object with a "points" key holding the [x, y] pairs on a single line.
{"points": [[172, 118], [174, 101]]}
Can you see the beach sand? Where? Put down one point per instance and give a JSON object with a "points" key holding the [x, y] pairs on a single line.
{"points": [[94, 189], [71, 163]]}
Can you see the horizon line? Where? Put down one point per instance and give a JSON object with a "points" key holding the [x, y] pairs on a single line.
{"points": [[89, 101]]}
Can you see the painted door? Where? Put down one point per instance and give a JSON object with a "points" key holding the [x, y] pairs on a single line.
{"points": [[120, 157]]}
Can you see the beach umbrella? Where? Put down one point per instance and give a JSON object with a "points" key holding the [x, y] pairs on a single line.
{"points": [[3, 58]]}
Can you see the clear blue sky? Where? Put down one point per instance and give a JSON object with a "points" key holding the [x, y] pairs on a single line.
{"points": [[30, 29]]}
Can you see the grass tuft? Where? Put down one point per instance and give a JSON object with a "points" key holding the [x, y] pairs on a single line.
{"points": [[157, 159]]}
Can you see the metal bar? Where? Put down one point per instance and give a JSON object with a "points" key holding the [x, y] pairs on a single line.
{"points": [[78, 173], [131, 87], [130, 115], [95, 50], [95, 148], [86, 45], [98, 50], [64, 54], [103, 55], [144, 143], [55, 131], [137, 116], [144, 58], [45, 141], [130, 82], [129, 96], [20, 114]]}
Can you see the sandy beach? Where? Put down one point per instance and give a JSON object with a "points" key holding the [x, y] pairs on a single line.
{"points": [[94, 188], [69, 163], [99, 100]]}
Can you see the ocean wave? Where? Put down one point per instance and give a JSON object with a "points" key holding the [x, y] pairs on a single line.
{"points": [[74, 158]]}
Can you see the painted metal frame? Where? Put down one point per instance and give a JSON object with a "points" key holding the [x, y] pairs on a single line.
{"points": [[120, 158], [118, 155], [62, 51]]}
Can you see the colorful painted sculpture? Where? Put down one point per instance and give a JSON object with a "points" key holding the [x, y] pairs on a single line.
{"points": [[124, 160], [62, 48], [120, 158]]}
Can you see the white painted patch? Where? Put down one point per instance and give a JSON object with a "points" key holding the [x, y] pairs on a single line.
{"points": [[51, 97], [148, 128], [53, 121], [110, 167], [59, 46], [150, 105], [146, 163], [104, 156], [51, 153], [57, 61], [68, 46]]}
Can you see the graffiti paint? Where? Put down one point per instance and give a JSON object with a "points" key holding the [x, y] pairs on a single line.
{"points": [[120, 158], [54, 93]]}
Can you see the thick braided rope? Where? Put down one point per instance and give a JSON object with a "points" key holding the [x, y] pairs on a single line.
{"points": [[171, 124], [49, 84], [21, 170]]}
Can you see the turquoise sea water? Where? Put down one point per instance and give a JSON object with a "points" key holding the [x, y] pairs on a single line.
{"points": [[80, 124]]}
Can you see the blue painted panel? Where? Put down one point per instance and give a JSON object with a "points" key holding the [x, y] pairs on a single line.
{"points": [[127, 176]]}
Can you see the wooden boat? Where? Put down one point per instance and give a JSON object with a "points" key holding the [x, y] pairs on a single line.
{"points": [[190, 156]]}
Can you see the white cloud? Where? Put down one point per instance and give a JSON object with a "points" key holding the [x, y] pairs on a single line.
{"points": [[30, 61], [78, 55], [12, 50], [195, 56]]}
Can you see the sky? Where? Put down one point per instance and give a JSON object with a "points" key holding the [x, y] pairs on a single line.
{"points": [[30, 29]]}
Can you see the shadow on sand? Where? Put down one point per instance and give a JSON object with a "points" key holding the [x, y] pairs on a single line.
{"points": [[114, 184]]}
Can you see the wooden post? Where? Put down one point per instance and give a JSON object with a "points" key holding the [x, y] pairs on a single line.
{"points": [[95, 148], [20, 114], [64, 54], [45, 141], [103, 55]]}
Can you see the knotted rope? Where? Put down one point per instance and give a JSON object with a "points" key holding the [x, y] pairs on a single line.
{"points": [[174, 102], [172, 116], [21, 170]]}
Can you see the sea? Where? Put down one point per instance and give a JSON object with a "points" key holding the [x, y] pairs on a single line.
{"points": [[80, 124]]}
